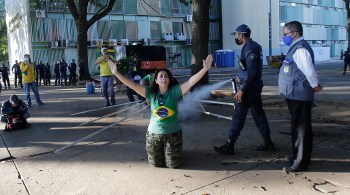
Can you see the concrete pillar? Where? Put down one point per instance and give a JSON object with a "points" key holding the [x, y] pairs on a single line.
{"points": [[18, 31]]}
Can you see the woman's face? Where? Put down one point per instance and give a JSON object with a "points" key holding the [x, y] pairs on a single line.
{"points": [[162, 79]]}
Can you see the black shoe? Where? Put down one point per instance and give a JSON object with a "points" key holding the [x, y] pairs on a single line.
{"points": [[227, 149], [41, 103], [107, 105], [265, 147], [288, 170], [292, 169]]}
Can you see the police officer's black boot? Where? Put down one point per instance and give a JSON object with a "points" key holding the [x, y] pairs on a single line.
{"points": [[228, 148], [267, 145]]}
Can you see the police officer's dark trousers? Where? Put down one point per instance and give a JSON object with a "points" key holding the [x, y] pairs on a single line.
{"points": [[57, 79], [240, 114], [301, 132], [346, 64]]}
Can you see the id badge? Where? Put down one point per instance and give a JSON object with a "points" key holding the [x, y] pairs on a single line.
{"points": [[287, 66]]}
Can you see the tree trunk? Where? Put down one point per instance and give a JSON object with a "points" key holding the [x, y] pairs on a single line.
{"points": [[82, 48], [80, 17], [200, 36]]}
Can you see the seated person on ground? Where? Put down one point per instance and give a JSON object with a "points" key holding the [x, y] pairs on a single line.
{"points": [[14, 114]]}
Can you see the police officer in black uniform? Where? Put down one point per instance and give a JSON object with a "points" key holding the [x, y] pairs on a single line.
{"points": [[249, 93], [63, 72], [346, 60], [57, 73], [72, 67]]}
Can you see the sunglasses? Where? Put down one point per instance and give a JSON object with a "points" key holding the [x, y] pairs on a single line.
{"points": [[161, 100]]}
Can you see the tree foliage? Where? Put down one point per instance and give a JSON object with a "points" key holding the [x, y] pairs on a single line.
{"points": [[78, 9], [3, 33]]}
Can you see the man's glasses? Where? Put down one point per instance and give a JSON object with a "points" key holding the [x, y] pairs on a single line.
{"points": [[285, 34], [161, 100]]}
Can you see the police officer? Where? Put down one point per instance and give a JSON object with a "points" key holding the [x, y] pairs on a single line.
{"points": [[249, 93], [57, 73], [298, 82], [72, 67], [18, 74], [346, 60], [63, 72], [47, 74]]}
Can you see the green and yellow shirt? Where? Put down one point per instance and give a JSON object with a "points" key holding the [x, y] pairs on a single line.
{"points": [[164, 109]]}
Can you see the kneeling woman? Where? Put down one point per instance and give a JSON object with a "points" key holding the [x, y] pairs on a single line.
{"points": [[164, 133]]}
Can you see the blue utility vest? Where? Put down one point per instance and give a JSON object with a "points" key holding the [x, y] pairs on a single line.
{"points": [[292, 81]]}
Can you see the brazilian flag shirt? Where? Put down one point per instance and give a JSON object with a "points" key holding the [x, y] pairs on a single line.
{"points": [[164, 110]]}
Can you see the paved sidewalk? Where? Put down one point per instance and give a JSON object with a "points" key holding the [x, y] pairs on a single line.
{"points": [[115, 161]]}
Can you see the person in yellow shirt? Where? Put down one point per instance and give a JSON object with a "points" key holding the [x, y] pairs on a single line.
{"points": [[28, 70], [106, 77]]}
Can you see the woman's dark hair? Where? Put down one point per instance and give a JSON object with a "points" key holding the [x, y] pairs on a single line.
{"points": [[154, 86]]}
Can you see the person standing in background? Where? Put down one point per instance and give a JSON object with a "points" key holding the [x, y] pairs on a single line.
{"points": [[5, 76], [41, 71], [346, 60], [29, 74], [18, 74], [47, 74], [57, 73], [106, 76], [298, 82], [63, 72], [72, 67]]}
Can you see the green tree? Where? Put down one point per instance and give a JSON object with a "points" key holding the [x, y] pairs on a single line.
{"points": [[3, 33], [78, 9]]}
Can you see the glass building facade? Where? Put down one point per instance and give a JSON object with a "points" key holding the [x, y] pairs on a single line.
{"points": [[324, 22], [149, 21]]}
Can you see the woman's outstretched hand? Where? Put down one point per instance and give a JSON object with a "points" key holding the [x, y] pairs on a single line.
{"points": [[112, 64], [208, 62]]}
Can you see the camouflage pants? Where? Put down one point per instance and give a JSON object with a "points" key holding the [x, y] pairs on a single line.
{"points": [[164, 149]]}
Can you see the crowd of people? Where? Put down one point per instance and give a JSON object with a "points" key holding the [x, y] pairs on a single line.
{"points": [[43, 72]]}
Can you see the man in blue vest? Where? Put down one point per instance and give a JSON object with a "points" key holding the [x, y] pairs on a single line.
{"points": [[298, 82], [249, 93]]}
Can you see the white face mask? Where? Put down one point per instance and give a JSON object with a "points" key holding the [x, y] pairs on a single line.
{"points": [[26, 59]]}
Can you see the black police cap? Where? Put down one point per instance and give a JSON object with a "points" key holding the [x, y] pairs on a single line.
{"points": [[242, 29]]}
